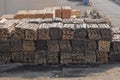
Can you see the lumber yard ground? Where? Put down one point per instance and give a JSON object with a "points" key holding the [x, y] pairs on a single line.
{"points": [[102, 72]]}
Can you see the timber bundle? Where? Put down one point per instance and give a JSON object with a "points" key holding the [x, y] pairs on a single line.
{"points": [[53, 37]]}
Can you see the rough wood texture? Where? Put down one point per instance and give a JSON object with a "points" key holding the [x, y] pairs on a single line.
{"points": [[104, 45], [93, 31], [114, 57], [78, 45], [65, 46], [49, 13], [41, 45], [55, 31], [40, 14], [19, 30], [116, 30], [31, 31], [15, 44], [68, 31], [53, 45], [40, 57], [17, 57], [78, 57], [58, 12], [102, 57], [4, 46], [80, 32], [76, 13], [43, 32], [6, 30], [21, 14], [30, 14], [97, 21], [91, 45], [52, 58], [5, 57], [90, 57], [105, 31], [66, 12], [47, 20], [28, 45], [68, 21], [65, 58], [29, 57], [78, 20]]}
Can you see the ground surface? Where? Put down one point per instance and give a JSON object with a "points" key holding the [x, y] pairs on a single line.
{"points": [[103, 72]]}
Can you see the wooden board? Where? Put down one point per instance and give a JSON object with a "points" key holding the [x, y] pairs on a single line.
{"points": [[68, 31], [80, 32], [76, 13], [21, 14], [55, 31], [17, 57], [66, 11], [93, 31], [58, 12], [90, 45], [102, 57], [104, 45], [43, 31], [53, 45], [40, 57], [29, 57], [65, 46], [31, 31], [49, 13], [5, 57], [28, 45]]}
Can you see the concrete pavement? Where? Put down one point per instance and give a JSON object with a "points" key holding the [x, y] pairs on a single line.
{"points": [[107, 7]]}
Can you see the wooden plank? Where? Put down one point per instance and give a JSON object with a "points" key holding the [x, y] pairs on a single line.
{"points": [[43, 31], [114, 57], [66, 12], [28, 45], [80, 32], [21, 14], [31, 31], [65, 46], [41, 45], [40, 57], [93, 31], [104, 45], [5, 57], [76, 13], [55, 31], [91, 45], [53, 45], [105, 31], [90, 57], [52, 58], [8, 16], [102, 57], [29, 57], [68, 31], [58, 12], [50, 13], [17, 57]]}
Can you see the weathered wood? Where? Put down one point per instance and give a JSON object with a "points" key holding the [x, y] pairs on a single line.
{"points": [[78, 20], [104, 45], [90, 57], [29, 57], [50, 13], [68, 31], [76, 13], [21, 14], [102, 57], [28, 45], [78, 57], [66, 12], [18, 57], [52, 58], [78, 45], [93, 21], [114, 57], [15, 44], [105, 31], [115, 30], [43, 31], [53, 45], [80, 32], [5, 57], [31, 31], [41, 45], [65, 46], [6, 30], [93, 31], [40, 57], [4, 46], [65, 58], [55, 31], [40, 14], [47, 20], [58, 12], [68, 21], [91, 45]]}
